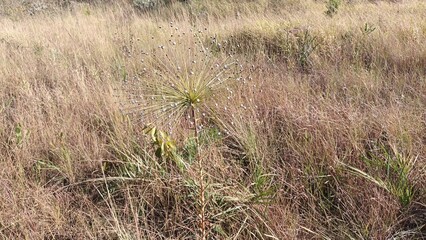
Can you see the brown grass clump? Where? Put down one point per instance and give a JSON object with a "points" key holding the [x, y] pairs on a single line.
{"points": [[268, 120]]}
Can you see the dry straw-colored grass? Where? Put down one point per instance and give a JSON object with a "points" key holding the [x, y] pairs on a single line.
{"points": [[324, 137]]}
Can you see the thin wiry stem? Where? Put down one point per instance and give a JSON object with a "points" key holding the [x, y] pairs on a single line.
{"points": [[201, 197]]}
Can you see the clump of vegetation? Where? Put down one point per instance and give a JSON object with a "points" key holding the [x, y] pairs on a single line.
{"points": [[332, 7], [396, 168], [180, 87]]}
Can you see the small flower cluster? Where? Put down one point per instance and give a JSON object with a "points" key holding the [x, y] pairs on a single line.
{"points": [[182, 72]]}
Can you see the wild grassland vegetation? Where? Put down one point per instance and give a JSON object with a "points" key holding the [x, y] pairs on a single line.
{"points": [[271, 119]]}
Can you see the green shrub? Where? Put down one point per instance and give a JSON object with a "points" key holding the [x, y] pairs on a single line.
{"points": [[332, 6]]}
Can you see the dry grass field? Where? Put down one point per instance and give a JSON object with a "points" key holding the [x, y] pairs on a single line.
{"points": [[219, 119]]}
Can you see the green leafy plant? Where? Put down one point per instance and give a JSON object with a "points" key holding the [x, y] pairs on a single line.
{"points": [[306, 45], [165, 146], [145, 4], [395, 169], [19, 136], [263, 186], [332, 6], [151, 4], [367, 29]]}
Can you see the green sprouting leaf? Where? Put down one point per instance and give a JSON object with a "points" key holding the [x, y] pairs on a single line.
{"points": [[19, 134]]}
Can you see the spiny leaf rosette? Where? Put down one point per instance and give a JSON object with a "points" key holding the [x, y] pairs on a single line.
{"points": [[181, 74]]}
